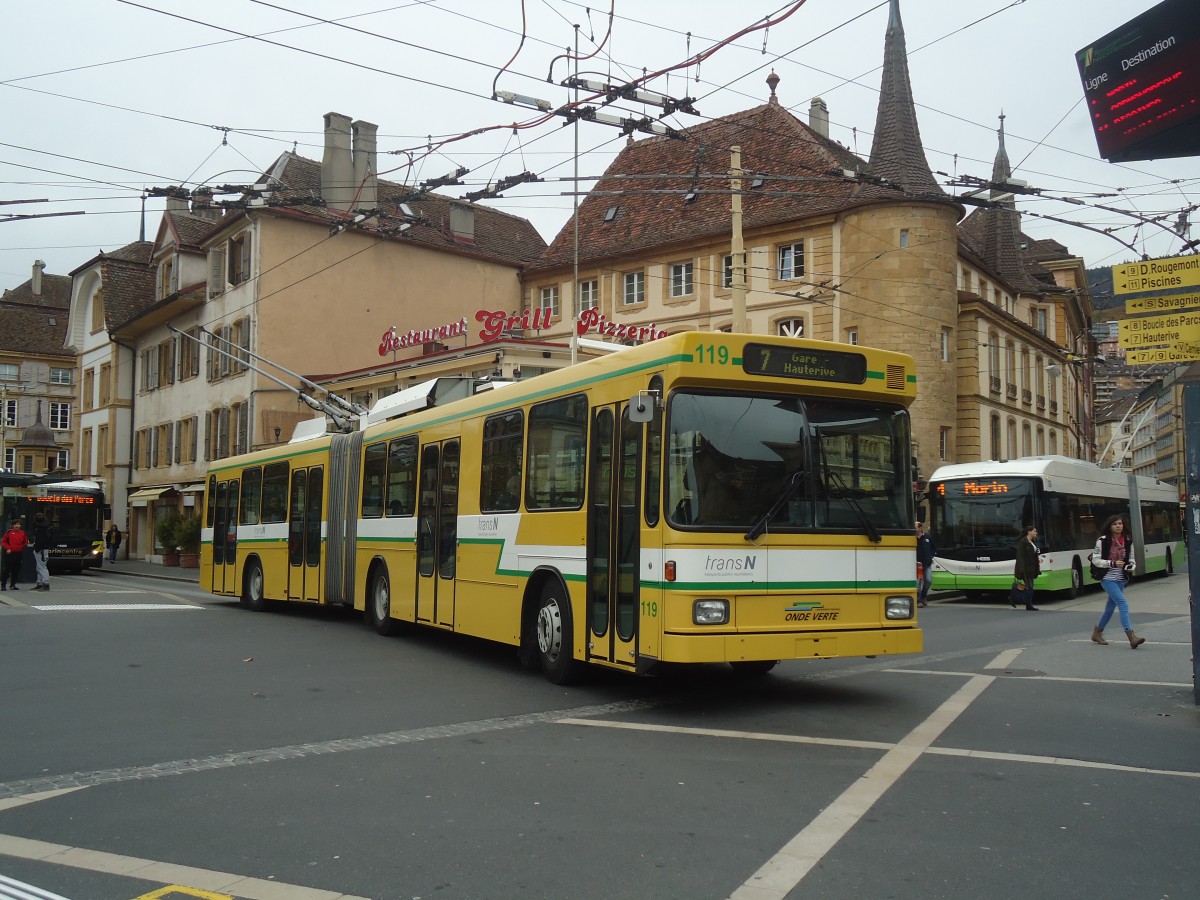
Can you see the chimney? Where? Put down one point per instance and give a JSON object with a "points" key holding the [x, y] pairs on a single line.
{"points": [[35, 281], [177, 204], [337, 167], [462, 222], [202, 205], [818, 117], [366, 169]]}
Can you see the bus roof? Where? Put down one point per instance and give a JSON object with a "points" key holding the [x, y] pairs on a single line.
{"points": [[1060, 473]]}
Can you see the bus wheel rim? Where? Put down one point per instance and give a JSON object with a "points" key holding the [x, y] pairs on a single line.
{"points": [[256, 583], [549, 629], [382, 600]]}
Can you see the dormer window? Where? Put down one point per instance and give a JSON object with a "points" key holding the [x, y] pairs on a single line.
{"points": [[168, 278]]}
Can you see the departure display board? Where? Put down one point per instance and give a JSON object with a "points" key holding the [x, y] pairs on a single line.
{"points": [[818, 365], [1142, 84]]}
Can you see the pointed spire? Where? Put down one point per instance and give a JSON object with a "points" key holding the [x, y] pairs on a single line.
{"points": [[1001, 170], [896, 151]]}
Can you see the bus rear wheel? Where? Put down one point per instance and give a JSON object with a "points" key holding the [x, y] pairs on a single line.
{"points": [[379, 605], [554, 636], [252, 587], [1076, 580]]}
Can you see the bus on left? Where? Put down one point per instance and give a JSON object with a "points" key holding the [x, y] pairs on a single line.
{"points": [[74, 509]]}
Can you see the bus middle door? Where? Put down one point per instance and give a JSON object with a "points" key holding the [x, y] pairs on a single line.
{"points": [[225, 539], [304, 534], [613, 536], [437, 533]]}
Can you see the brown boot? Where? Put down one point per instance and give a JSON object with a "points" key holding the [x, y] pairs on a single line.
{"points": [[1134, 640], [1098, 636]]}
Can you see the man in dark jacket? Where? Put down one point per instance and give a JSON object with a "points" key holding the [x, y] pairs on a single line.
{"points": [[1028, 567], [925, 553]]}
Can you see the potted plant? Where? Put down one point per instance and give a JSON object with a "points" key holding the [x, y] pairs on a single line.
{"points": [[166, 530], [188, 538]]}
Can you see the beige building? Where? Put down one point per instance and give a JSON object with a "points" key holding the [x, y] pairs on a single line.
{"points": [[37, 376], [843, 249], [315, 271]]}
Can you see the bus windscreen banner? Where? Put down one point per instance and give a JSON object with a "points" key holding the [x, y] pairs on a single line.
{"points": [[816, 365]]}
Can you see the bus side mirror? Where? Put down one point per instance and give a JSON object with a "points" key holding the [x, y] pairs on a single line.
{"points": [[643, 406]]}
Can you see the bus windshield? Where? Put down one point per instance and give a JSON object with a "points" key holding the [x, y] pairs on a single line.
{"points": [[980, 514], [71, 518], [767, 463]]}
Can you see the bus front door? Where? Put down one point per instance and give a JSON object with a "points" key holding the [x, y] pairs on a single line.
{"points": [[304, 534], [613, 536], [437, 533], [225, 539]]}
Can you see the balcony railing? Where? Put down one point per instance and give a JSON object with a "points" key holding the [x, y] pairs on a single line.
{"points": [[1041, 401], [1054, 407], [1011, 391], [1026, 396], [995, 384]]}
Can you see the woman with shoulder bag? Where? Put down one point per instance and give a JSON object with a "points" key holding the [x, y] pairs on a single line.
{"points": [[1114, 556], [1027, 569]]}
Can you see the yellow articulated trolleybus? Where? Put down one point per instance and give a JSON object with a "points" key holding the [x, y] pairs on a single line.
{"points": [[702, 498]]}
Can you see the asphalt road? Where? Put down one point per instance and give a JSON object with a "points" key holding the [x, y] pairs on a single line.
{"points": [[161, 743]]}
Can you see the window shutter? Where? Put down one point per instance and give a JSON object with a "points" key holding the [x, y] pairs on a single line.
{"points": [[137, 449], [178, 442], [216, 272], [245, 342], [245, 248], [195, 424], [207, 436]]}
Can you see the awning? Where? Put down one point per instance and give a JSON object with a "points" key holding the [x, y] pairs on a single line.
{"points": [[145, 495], [192, 488]]}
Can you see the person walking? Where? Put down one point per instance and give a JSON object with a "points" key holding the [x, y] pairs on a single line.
{"points": [[41, 551], [925, 553], [1027, 568], [13, 544], [1114, 554], [112, 540]]}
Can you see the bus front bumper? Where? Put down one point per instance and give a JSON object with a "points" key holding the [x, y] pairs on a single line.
{"points": [[693, 648]]}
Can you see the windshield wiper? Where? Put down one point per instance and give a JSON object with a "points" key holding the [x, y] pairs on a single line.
{"points": [[872, 531], [785, 494]]}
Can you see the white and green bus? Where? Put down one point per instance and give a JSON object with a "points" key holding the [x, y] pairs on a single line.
{"points": [[977, 511]]}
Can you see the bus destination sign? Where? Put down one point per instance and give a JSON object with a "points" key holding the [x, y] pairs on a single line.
{"points": [[817, 365], [972, 488]]}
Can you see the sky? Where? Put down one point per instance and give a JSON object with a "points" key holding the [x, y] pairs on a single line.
{"points": [[104, 99]]}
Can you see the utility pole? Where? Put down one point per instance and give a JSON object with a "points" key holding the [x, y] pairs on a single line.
{"points": [[738, 251]]}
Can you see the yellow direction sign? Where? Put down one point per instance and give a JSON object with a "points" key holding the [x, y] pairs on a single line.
{"points": [[1151, 330], [1157, 275], [1138, 305], [1161, 355]]}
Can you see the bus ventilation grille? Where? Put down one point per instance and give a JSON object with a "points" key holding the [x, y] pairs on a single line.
{"points": [[895, 378]]}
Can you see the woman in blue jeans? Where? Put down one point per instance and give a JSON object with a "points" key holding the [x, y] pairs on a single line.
{"points": [[1114, 553]]}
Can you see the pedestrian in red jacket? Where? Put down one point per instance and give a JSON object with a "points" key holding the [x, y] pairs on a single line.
{"points": [[13, 543]]}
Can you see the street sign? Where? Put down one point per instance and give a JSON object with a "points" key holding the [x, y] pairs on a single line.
{"points": [[1159, 355], [1157, 275], [1139, 305], [1151, 330], [1192, 348]]}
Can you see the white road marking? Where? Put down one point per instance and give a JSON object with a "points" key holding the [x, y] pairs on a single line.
{"points": [[1172, 684], [164, 873], [1005, 659], [94, 606]]}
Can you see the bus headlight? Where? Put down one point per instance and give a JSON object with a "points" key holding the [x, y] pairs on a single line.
{"points": [[898, 608], [710, 612]]}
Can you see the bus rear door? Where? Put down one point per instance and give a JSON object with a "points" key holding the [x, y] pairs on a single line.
{"points": [[613, 536], [304, 534], [225, 539], [437, 533]]}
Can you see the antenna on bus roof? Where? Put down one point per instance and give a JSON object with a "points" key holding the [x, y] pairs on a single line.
{"points": [[354, 409], [337, 412]]}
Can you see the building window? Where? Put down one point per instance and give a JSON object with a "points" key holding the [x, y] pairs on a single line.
{"points": [[790, 328], [1053, 443], [188, 354], [1012, 438], [88, 398], [548, 299], [944, 444], [727, 271], [9, 371], [166, 363], [60, 376], [61, 459], [997, 450], [168, 278], [10, 413], [105, 383], [791, 261], [239, 258], [97, 312], [945, 345], [1040, 323], [60, 416], [589, 295], [635, 288], [1026, 440], [1041, 442], [851, 336], [102, 456], [903, 238], [681, 279], [10, 459], [216, 272]]}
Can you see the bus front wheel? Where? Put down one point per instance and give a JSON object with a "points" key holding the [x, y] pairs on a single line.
{"points": [[554, 631], [1076, 580], [252, 587]]}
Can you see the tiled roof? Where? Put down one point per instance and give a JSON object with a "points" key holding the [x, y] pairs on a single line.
{"points": [[498, 235], [56, 292], [646, 184], [138, 252], [994, 234], [191, 229], [128, 288], [33, 329], [896, 151]]}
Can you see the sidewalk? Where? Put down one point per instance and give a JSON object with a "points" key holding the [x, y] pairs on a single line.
{"points": [[144, 569]]}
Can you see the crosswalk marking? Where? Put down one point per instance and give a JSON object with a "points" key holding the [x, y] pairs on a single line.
{"points": [[91, 606]]}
